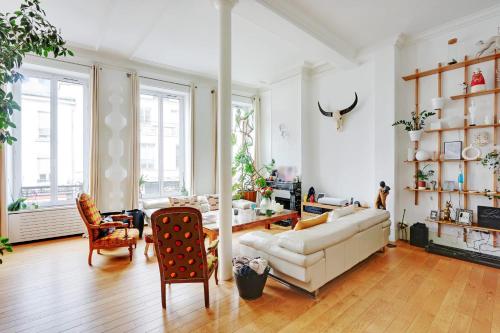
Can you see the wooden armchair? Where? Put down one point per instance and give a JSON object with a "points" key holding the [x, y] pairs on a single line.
{"points": [[121, 236], [180, 248]]}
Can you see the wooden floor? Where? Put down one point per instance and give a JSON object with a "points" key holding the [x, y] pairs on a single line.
{"points": [[48, 287]]}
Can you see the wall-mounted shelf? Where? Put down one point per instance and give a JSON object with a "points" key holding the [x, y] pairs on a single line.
{"points": [[443, 161], [479, 93], [471, 192], [441, 69], [461, 128], [475, 227]]}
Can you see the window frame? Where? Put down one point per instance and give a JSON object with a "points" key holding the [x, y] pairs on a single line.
{"points": [[161, 94], [54, 78]]}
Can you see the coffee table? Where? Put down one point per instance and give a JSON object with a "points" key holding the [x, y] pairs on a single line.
{"points": [[246, 219]]}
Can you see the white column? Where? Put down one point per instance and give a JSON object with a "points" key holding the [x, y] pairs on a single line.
{"points": [[224, 8]]}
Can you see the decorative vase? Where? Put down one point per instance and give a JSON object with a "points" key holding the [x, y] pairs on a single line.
{"points": [[415, 135], [421, 184], [437, 103], [265, 204], [411, 154], [422, 155]]}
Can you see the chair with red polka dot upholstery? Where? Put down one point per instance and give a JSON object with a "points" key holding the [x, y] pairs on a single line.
{"points": [[180, 248]]}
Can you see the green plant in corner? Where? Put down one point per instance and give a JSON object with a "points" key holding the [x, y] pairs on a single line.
{"points": [[4, 246], [17, 205], [22, 32]]}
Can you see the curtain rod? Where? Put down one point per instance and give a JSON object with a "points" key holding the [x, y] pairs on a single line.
{"points": [[59, 60], [150, 78], [249, 97]]}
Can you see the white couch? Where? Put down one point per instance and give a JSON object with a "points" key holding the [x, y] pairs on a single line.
{"points": [[309, 258]]}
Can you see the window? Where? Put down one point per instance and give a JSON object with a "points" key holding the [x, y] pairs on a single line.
{"points": [[162, 143], [243, 129], [50, 129]]}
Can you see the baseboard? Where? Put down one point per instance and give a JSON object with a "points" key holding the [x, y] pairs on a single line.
{"points": [[471, 256]]}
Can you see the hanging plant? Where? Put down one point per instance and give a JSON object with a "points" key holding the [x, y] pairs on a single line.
{"points": [[22, 32]]}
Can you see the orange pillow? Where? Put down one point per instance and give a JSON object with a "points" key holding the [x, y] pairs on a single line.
{"points": [[304, 224]]}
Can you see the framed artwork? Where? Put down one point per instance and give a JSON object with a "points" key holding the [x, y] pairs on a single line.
{"points": [[434, 215], [464, 216], [453, 150]]}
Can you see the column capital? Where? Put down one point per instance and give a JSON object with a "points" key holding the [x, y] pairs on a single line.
{"points": [[228, 4]]}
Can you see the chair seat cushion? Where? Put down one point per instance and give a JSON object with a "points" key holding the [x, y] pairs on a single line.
{"points": [[117, 238]]}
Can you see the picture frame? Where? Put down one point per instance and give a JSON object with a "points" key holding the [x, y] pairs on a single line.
{"points": [[453, 150], [434, 215], [464, 216]]}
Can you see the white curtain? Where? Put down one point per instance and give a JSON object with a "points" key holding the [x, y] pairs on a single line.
{"points": [[94, 183], [135, 148], [215, 185], [3, 189], [257, 120], [192, 186]]}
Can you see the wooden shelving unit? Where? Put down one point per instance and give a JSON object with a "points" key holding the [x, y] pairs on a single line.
{"points": [[475, 227], [480, 193], [439, 71]]}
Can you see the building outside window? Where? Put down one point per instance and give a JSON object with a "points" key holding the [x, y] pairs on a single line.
{"points": [[52, 144], [162, 143]]}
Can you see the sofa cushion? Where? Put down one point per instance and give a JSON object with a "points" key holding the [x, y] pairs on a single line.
{"points": [[258, 240], [156, 203], [344, 211], [213, 201], [311, 222], [366, 218], [317, 238]]}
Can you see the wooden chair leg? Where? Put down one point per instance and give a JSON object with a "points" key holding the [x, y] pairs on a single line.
{"points": [[215, 274], [163, 296], [90, 256], [146, 249], [207, 296], [130, 251]]}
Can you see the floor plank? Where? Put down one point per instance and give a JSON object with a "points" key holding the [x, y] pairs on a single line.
{"points": [[48, 287]]}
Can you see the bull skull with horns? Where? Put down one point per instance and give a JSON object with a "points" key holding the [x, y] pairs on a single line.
{"points": [[337, 115]]}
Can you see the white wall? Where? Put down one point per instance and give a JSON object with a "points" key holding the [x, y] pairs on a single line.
{"points": [[426, 53]]}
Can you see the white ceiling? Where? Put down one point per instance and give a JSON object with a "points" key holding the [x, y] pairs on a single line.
{"points": [[269, 36]]}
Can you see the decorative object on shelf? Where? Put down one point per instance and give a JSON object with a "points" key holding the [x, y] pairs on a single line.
{"points": [[423, 176], [411, 153], [477, 83], [337, 115], [383, 192], [460, 178], [422, 155], [438, 103], [481, 139], [435, 156], [464, 216], [433, 185], [464, 87], [492, 161], [472, 113], [488, 120], [447, 211], [449, 185], [415, 126], [453, 150], [489, 46], [452, 51], [434, 215], [471, 153]]}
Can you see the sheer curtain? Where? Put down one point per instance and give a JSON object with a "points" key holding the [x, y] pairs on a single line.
{"points": [[94, 184], [257, 116], [3, 190], [192, 184], [135, 152]]}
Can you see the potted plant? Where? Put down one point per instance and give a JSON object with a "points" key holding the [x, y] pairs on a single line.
{"points": [[22, 32], [492, 161], [265, 203], [4, 246], [244, 170], [416, 124], [423, 176]]}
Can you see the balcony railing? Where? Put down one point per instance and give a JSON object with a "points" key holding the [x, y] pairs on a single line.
{"points": [[43, 193]]}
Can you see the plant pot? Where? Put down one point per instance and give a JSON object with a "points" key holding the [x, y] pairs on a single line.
{"points": [[415, 135], [421, 184], [249, 195]]}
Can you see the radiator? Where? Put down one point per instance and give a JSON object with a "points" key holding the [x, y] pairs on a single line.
{"points": [[44, 223]]}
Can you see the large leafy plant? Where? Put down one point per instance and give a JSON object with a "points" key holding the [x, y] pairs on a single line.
{"points": [[245, 174], [417, 121], [4, 246], [24, 31]]}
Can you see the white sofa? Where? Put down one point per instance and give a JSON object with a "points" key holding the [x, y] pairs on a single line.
{"points": [[309, 258]]}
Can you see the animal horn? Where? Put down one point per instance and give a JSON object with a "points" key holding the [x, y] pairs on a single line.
{"points": [[327, 114], [353, 105]]}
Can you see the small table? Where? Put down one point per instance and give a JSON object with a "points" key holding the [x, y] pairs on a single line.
{"points": [[246, 219]]}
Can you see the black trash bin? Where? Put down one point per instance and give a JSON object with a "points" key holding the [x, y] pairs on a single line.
{"points": [[138, 219], [250, 286]]}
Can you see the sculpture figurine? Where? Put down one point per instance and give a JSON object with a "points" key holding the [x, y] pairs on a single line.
{"points": [[447, 211], [491, 44], [478, 83], [381, 200]]}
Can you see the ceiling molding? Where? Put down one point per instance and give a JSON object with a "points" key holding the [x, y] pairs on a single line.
{"points": [[345, 54], [452, 25]]}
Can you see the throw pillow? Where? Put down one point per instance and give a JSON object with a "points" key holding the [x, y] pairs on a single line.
{"points": [[308, 223], [338, 213]]}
